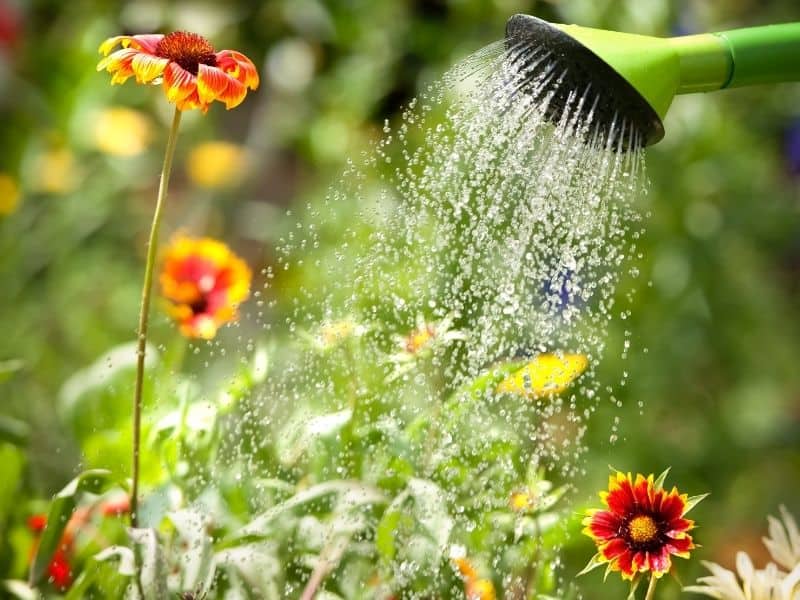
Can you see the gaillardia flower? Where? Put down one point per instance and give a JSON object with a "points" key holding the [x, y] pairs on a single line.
{"points": [[643, 527], [193, 75], [205, 282]]}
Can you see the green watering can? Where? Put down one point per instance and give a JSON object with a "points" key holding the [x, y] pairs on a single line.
{"points": [[633, 78]]}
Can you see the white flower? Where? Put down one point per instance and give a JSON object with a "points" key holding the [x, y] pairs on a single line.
{"points": [[422, 341], [769, 583], [783, 542]]}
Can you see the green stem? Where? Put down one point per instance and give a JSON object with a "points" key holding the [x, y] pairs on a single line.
{"points": [[651, 589], [144, 311]]}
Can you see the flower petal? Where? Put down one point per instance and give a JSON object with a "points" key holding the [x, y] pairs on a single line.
{"points": [[146, 42], [605, 525], [147, 67], [614, 549], [211, 83], [234, 94], [178, 83], [238, 66], [116, 60]]}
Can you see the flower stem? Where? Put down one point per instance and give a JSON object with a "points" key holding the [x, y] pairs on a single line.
{"points": [[144, 311], [651, 589]]}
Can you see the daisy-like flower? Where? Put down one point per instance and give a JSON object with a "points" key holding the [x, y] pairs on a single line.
{"points": [[205, 282], [421, 342], [642, 526], [770, 583], [545, 375], [193, 75]]}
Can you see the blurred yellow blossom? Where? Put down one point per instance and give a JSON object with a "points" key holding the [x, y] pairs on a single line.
{"points": [[545, 375], [216, 164], [122, 131], [9, 194], [54, 171], [333, 333]]}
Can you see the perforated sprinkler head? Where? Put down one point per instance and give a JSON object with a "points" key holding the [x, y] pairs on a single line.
{"points": [[628, 81]]}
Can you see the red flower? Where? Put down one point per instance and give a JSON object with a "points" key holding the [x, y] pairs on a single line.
{"points": [[193, 75], [59, 570], [37, 523], [206, 282], [116, 506], [642, 528]]}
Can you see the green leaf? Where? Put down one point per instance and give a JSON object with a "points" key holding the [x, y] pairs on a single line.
{"points": [[96, 572], [661, 478], [153, 573], [61, 509], [13, 431], [593, 563], [19, 589], [694, 501], [354, 492], [485, 383], [634, 586], [387, 528], [197, 569]]}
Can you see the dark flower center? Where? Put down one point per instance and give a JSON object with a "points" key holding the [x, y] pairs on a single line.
{"points": [[642, 529], [199, 306], [189, 50], [644, 532]]}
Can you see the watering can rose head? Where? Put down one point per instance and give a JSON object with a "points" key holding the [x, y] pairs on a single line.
{"points": [[192, 74], [642, 527]]}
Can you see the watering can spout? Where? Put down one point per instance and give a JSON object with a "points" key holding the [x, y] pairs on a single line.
{"points": [[645, 73]]}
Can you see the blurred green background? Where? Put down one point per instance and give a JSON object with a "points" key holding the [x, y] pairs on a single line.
{"points": [[710, 385]]}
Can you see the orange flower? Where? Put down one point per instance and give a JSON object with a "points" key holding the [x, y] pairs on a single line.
{"points": [[206, 282], [475, 588], [193, 75], [643, 526]]}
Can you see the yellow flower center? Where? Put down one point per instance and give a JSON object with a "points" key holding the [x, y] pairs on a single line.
{"points": [[189, 50], [642, 529], [419, 339]]}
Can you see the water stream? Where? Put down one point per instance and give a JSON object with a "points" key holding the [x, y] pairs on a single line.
{"points": [[483, 230]]}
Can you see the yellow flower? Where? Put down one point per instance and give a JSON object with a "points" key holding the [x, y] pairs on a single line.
{"points": [[206, 282], [193, 75], [121, 131], [9, 194], [545, 375], [216, 164], [54, 172]]}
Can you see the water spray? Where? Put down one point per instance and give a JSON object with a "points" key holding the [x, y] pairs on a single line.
{"points": [[631, 79]]}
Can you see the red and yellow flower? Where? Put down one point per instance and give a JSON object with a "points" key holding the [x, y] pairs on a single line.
{"points": [[205, 283], [192, 74], [643, 526]]}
